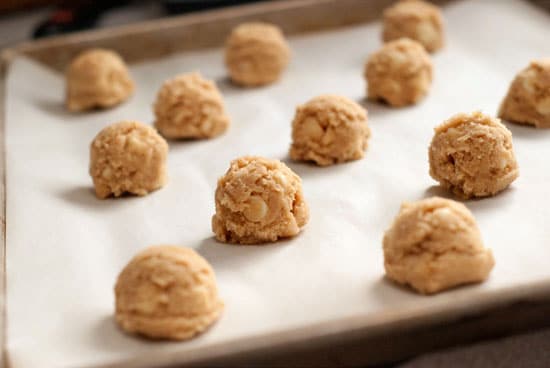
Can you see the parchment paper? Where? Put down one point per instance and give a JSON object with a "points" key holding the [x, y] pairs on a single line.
{"points": [[65, 247]]}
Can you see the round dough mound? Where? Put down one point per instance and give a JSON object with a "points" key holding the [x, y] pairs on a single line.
{"points": [[434, 244], [167, 292], [400, 73], [256, 54], [258, 201], [128, 157], [97, 78], [472, 155], [417, 20], [189, 106], [329, 129], [528, 99]]}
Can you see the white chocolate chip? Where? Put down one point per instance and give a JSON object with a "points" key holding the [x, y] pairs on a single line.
{"points": [[312, 128], [543, 106], [256, 209], [426, 33]]}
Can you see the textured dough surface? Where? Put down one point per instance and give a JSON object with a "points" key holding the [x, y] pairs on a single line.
{"points": [[528, 98], [417, 20], [256, 54], [435, 244], [257, 201], [329, 129], [189, 106], [128, 157], [167, 292], [472, 155], [400, 73], [97, 78]]}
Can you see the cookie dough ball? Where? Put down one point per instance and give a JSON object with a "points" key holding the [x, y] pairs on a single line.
{"points": [[189, 106], [329, 129], [417, 20], [435, 244], [127, 157], [528, 99], [400, 73], [256, 54], [258, 201], [97, 78], [472, 155], [167, 292]]}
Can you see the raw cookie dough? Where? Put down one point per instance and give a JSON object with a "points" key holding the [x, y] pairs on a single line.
{"points": [[417, 20], [329, 129], [256, 54], [528, 99], [127, 157], [167, 292], [189, 106], [97, 78], [258, 201], [472, 155], [400, 73], [435, 244]]}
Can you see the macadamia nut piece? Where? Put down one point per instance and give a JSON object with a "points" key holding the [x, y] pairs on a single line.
{"points": [[167, 292], [528, 98], [329, 129], [400, 73], [256, 54], [417, 20], [127, 157], [97, 78], [189, 106], [258, 201], [472, 155], [435, 244]]}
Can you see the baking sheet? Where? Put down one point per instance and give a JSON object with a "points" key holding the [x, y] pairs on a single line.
{"points": [[65, 247]]}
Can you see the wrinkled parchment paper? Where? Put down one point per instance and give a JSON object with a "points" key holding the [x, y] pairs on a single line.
{"points": [[65, 247]]}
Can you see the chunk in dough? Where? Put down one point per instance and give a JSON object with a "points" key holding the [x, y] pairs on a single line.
{"points": [[97, 78], [167, 292], [528, 98], [128, 157], [435, 244], [400, 73], [472, 155], [189, 106], [256, 54], [258, 201], [329, 129], [417, 20]]}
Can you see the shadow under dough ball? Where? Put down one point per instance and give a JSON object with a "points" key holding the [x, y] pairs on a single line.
{"points": [[472, 155], [167, 292], [256, 54], [528, 98], [434, 244], [258, 201], [417, 20], [128, 157], [329, 129], [97, 78], [400, 73], [189, 106]]}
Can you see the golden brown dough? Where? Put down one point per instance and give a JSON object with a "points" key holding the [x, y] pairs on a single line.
{"points": [[127, 157], [435, 244], [417, 20], [528, 98], [472, 155], [400, 73], [258, 201], [329, 129], [189, 106], [97, 78], [167, 292], [256, 54]]}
